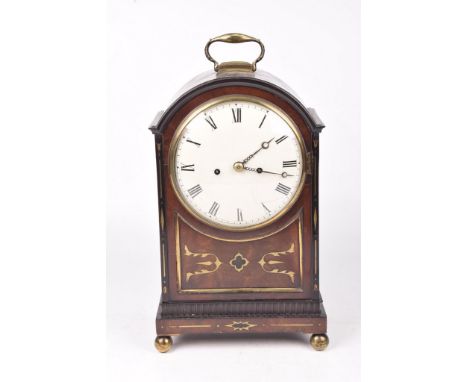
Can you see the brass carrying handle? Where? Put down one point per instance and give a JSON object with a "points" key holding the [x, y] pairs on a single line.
{"points": [[234, 38]]}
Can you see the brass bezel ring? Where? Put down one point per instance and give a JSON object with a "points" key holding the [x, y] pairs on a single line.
{"points": [[206, 105]]}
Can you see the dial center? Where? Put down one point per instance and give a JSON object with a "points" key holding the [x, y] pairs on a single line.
{"points": [[238, 166]]}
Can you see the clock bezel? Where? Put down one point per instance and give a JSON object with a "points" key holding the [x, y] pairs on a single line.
{"points": [[206, 105]]}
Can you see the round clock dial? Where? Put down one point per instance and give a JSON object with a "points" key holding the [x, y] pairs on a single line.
{"points": [[237, 163]]}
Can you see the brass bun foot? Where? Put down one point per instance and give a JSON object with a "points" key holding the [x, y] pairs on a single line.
{"points": [[319, 341], [163, 343]]}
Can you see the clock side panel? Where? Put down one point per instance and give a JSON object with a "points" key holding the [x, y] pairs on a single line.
{"points": [[200, 262]]}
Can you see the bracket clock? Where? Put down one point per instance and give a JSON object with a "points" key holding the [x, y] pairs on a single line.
{"points": [[237, 168]]}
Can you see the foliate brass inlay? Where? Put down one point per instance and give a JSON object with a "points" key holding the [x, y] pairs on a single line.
{"points": [[273, 258], [210, 264], [240, 325], [239, 262]]}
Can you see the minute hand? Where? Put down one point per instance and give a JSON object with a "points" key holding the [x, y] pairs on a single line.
{"points": [[264, 146]]}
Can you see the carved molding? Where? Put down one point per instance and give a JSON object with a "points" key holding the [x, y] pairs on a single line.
{"points": [[281, 308]]}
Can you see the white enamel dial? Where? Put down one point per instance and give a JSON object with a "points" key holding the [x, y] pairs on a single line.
{"points": [[237, 163]]}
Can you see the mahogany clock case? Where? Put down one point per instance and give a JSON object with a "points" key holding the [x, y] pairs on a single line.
{"points": [[237, 288]]}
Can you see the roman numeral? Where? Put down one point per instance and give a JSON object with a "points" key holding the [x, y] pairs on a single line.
{"points": [[279, 140], [239, 215], [195, 143], [266, 208], [236, 115], [214, 209], [211, 122], [195, 190], [188, 167], [263, 120], [289, 163], [281, 188]]}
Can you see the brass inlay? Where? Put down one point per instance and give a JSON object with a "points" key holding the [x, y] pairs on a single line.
{"points": [[211, 261], [200, 109], [291, 324], [177, 238], [239, 262], [163, 249], [274, 260], [161, 218], [297, 218], [240, 290], [241, 325], [300, 248], [315, 256], [190, 326], [315, 219]]}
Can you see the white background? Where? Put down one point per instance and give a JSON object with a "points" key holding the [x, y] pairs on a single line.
{"points": [[414, 187], [155, 47]]}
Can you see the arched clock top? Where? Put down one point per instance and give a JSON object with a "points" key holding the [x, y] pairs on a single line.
{"points": [[260, 80]]}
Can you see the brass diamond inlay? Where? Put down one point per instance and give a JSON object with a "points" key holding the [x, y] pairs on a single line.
{"points": [[240, 325]]}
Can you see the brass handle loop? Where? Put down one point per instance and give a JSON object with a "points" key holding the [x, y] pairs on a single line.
{"points": [[234, 38]]}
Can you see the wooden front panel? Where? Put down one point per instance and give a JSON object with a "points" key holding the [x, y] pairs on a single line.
{"points": [[271, 263]]}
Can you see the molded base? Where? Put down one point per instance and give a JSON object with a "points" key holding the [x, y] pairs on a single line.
{"points": [[315, 323]]}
